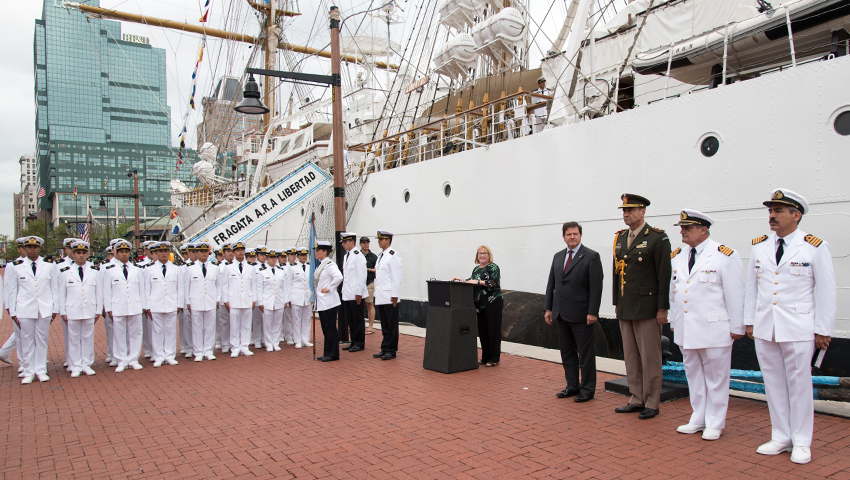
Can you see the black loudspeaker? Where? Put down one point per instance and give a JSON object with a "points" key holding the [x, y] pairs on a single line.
{"points": [[451, 336]]}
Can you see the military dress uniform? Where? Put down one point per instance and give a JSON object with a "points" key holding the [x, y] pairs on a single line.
{"points": [[273, 286], [388, 276], [223, 315], [641, 287], [239, 294], [147, 338], [328, 277], [256, 314], [80, 301], [13, 342], [354, 284], [33, 296], [184, 317], [706, 308], [123, 293], [164, 296], [107, 320], [785, 313], [286, 331], [202, 288], [63, 262], [299, 298]]}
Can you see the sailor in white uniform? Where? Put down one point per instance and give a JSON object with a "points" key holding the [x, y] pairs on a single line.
{"points": [[218, 261], [164, 297], [223, 316], [184, 318], [273, 285], [239, 295], [13, 342], [147, 260], [256, 315], [354, 291], [540, 115], [287, 262], [788, 321], [66, 261], [299, 299], [706, 315], [33, 295], [201, 284], [107, 320], [326, 280], [123, 291], [388, 275], [80, 305]]}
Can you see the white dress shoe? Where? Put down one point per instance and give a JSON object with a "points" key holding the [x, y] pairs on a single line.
{"points": [[22, 375], [290, 342], [136, 366], [157, 363], [209, 357], [773, 448], [217, 346], [171, 361], [308, 344], [20, 369], [88, 370], [188, 355], [270, 349], [225, 350], [113, 363], [147, 355], [75, 374], [5, 359], [277, 348], [27, 379], [297, 345], [199, 358], [108, 360], [247, 353], [42, 377], [258, 345], [801, 455], [119, 369], [234, 354], [65, 364], [711, 434], [689, 429]]}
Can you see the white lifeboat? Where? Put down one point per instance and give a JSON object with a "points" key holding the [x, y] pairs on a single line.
{"points": [[456, 57], [501, 35], [459, 14]]}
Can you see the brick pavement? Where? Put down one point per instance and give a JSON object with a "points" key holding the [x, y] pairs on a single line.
{"points": [[282, 415]]}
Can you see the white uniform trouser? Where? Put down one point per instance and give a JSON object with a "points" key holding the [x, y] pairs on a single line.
{"points": [[271, 326], [286, 329], [786, 368], [539, 121], [146, 336], [184, 321], [163, 336], [34, 337], [66, 340], [127, 338], [203, 331], [80, 343], [708, 371], [301, 323], [12, 344], [107, 324], [223, 321], [240, 328], [256, 327]]}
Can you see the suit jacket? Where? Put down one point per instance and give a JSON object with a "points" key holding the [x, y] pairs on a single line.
{"points": [[123, 297], [32, 296], [641, 283], [577, 293], [80, 299], [163, 294]]}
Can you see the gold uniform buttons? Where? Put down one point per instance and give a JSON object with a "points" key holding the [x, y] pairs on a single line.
{"points": [[774, 303]]}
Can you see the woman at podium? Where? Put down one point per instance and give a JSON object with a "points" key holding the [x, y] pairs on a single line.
{"points": [[488, 303]]}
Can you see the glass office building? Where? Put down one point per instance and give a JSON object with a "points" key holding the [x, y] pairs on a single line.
{"points": [[100, 112]]}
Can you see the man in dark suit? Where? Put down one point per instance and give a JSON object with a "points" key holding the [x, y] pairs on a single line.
{"points": [[573, 296]]}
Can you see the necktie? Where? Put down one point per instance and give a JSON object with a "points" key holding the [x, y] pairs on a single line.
{"points": [[203, 269], [303, 267], [272, 271], [81, 273], [163, 270], [125, 272], [240, 267], [33, 269], [631, 239], [569, 261], [779, 252], [692, 259]]}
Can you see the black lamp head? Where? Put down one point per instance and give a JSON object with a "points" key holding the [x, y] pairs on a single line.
{"points": [[251, 103]]}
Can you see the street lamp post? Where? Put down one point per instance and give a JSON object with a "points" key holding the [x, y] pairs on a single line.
{"points": [[104, 206], [134, 174]]}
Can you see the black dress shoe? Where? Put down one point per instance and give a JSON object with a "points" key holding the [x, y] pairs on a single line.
{"points": [[629, 408], [354, 349], [566, 393], [347, 348], [648, 413], [329, 359], [320, 359], [581, 398], [388, 356], [379, 355]]}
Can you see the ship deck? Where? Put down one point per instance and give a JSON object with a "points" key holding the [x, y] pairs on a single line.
{"points": [[283, 415]]}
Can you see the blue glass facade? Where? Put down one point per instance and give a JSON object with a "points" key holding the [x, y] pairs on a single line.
{"points": [[101, 110]]}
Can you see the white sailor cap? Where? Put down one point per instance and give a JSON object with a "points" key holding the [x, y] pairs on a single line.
{"points": [[225, 246], [345, 236], [68, 241], [108, 249], [788, 197], [32, 240], [114, 241], [541, 79], [202, 246], [19, 240], [79, 246], [261, 249], [324, 245], [302, 250], [183, 247], [147, 243], [122, 244], [385, 234], [290, 251], [694, 217], [250, 252]]}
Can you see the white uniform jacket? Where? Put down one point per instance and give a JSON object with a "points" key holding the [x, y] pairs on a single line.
{"points": [[299, 294], [330, 277], [707, 304], [780, 301], [354, 273], [273, 286], [202, 292], [80, 300], [387, 276], [32, 296], [122, 296], [164, 294], [239, 286]]}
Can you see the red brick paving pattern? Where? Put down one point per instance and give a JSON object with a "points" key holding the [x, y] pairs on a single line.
{"points": [[282, 415]]}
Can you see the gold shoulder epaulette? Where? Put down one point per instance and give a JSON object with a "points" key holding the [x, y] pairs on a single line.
{"points": [[760, 239], [656, 229], [65, 268], [17, 262], [813, 240], [725, 250], [675, 252]]}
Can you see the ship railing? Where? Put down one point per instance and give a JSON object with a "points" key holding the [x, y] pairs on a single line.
{"points": [[206, 195], [479, 126]]}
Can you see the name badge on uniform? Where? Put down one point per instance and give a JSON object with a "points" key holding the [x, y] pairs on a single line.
{"points": [[757, 268], [233, 275], [708, 276], [154, 279], [195, 277], [642, 244], [116, 281], [800, 268]]}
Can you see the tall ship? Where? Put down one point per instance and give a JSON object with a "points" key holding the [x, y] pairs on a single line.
{"points": [[450, 141]]}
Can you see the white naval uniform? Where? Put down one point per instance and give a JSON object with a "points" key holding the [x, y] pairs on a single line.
{"points": [[184, 320], [80, 301], [388, 276], [273, 286], [539, 115], [107, 320], [286, 329], [147, 346], [223, 315], [202, 297], [33, 299], [299, 296], [65, 262], [706, 308], [354, 274], [12, 343], [122, 299], [785, 315], [239, 294], [256, 314], [163, 296]]}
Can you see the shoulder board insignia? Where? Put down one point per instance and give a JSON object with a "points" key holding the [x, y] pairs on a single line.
{"points": [[813, 240], [95, 267], [47, 260], [392, 252], [229, 263], [760, 239], [215, 262], [656, 229], [725, 250], [189, 264], [621, 231], [262, 268], [357, 252], [17, 262], [110, 266], [63, 269], [675, 252]]}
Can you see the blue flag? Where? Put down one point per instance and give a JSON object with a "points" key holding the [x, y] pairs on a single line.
{"points": [[312, 257]]}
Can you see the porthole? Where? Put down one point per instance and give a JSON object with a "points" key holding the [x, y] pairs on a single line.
{"points": [[447, 189], [302, 211], [322, 210], [406, 196], [709, 146], [373, 201], [842, 124]]}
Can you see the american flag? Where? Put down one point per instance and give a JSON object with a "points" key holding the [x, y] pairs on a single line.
{"points": [[83, 231], [41, 191]]}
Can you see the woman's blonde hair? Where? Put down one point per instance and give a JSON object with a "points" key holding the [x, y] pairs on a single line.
{"points": [[489, 253]]}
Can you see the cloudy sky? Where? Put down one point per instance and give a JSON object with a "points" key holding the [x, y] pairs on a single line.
{"points": [[17, 125]]}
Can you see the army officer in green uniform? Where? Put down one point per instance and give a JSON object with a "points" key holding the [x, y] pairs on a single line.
{"points": [[642, 298]]}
